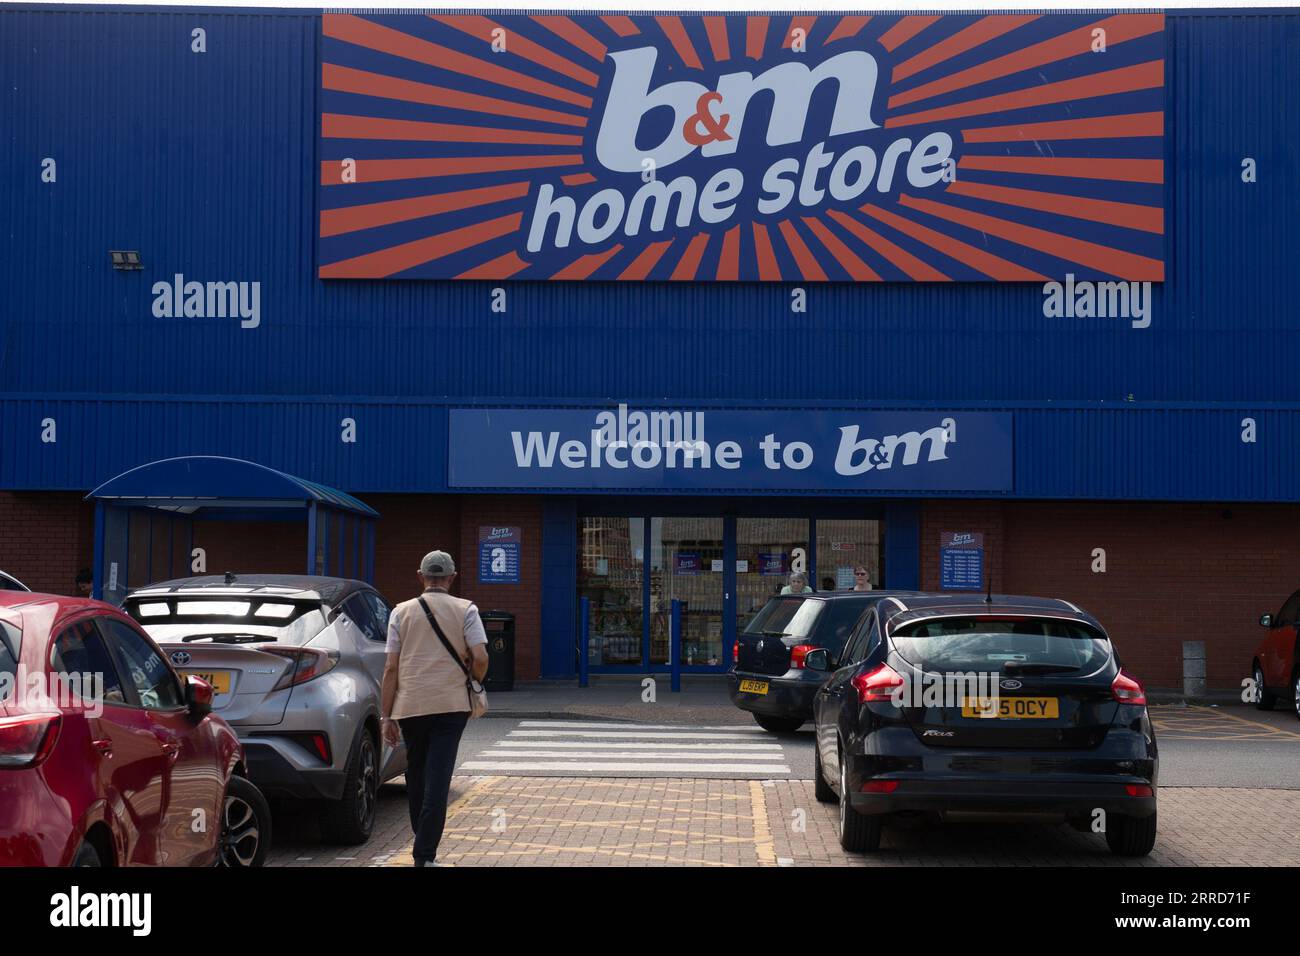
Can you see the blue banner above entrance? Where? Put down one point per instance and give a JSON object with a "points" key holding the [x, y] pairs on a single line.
{"points": [[687, 450]]}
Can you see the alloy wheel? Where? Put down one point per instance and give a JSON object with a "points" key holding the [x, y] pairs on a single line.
{"points": [[367, 785], [240, 836]]}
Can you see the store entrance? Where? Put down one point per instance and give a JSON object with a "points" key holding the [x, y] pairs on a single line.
{"points": [[720, 570]]}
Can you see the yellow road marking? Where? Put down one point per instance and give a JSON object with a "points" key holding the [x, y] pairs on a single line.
{"points": [[764, 848], [1253, 723]]}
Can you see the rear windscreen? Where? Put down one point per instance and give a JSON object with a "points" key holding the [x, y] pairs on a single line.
{"points": [[1011, 645], [11, 645], [824, 623], [173, 618]]}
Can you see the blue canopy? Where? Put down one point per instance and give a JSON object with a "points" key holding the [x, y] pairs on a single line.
{"points": [[196, 482]]}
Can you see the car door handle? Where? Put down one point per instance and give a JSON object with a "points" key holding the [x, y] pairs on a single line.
{"points": [[171, 750], [103, 746]]}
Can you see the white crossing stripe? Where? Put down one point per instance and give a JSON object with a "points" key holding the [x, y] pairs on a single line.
{"points": [[582, 748]]}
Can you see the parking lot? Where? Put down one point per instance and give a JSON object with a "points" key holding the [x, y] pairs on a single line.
{"points": [[536, 792]]}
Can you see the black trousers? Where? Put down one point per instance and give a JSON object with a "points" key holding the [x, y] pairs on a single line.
{"points": [[431, 744]]}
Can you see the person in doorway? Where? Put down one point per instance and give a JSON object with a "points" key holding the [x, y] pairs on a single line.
{"points": [[424, 694], [828, 584], [861, 579], [85, 583], [798, 584]]}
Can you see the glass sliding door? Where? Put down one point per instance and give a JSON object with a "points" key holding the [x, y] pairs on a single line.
{"points": [[767, 550], [610, 575], [845, 548], [686, 566]]}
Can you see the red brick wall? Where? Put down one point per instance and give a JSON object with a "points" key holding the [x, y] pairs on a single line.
{"points": [[46, 538], [409, 527], [253, 547], [1174, 572]]}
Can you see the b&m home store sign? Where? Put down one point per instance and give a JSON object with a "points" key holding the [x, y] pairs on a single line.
{"points": [[758, 148]]}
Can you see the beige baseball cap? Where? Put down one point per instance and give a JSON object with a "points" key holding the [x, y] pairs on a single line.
{"points": [[437, 564]]}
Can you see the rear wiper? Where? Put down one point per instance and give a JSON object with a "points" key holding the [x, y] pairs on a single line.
{"points": [[1030, 667], [227, 638], [775, 633]]}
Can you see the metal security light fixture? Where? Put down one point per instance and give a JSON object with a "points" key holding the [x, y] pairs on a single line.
{"points": [[126, 260]]}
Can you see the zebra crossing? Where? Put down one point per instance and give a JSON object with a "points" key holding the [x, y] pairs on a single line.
{"points": [[563, 748]]}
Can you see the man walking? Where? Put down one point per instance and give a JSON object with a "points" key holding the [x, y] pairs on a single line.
{"points": [[424, 693]]}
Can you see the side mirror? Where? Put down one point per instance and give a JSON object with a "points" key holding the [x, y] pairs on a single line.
{"points": [[199, 693], [1266, 620], [818, 660]]}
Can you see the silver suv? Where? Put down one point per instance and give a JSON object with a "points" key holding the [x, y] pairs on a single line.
{"points": [[296, 663]]}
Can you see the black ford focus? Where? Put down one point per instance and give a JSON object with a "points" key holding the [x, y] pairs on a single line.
{"points": [[948, 703]]}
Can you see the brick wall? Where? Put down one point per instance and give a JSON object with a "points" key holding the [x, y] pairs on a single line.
{"points": [[1174, 572], [252, 547], [46, 538]]}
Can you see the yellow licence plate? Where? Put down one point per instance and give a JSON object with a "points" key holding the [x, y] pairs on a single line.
{"points": [[220, 680], [1012, 708], [753, 687]]}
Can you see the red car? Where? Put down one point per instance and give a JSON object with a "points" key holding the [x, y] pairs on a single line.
{"points": [[138, 774], [1276, 666]]}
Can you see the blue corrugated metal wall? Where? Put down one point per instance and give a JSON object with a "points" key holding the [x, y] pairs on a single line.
{"points": [[204, 162]]}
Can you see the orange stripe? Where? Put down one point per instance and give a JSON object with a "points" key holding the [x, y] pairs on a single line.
{"points": [[350, 29], [574, 35], [995, 267], [383, 170], [909, 264], [1120, 170], [1099, 127], [853, 265], [847, 27], [904, 30], [502, 267], [623, 26], [1128, 215], [578, 179], [798, 23], [716, 28], [647, 260], [1116, 262], [729, 261], [335, 126], [584, 266], [690, 260], [1076, 42], [1143, 76], [980, 32], [482, 27], [676, 34], [768, 270], [335, 222], [755, 37], [387, 262], [808, 267], [347, 80]]}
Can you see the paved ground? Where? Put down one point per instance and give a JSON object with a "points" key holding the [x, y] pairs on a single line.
{"points": [[608, 792]]}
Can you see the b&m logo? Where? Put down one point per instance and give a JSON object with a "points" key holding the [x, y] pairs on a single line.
{"points": [[814, 148]]}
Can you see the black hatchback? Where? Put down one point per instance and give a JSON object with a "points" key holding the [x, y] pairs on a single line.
{"points": [[769, 678], [944, 703]]}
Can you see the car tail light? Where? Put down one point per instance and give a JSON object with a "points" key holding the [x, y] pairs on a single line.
{"points": [[735, 653], [306, 663], [799, 652], [877, 684], [880, 786], [1137, 790], [1127, 689], [26, 740]]}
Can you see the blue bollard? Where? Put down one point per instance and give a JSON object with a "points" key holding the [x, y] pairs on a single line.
{"points": [[584, 639], [675, 646]]}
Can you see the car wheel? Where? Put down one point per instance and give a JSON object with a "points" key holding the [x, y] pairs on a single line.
{"points": [[1131, 836], [87, 855], [350, 819], [858, 833], [245, 825], [1295, 693], [1266, 700], [822, 790], [779, 725]]}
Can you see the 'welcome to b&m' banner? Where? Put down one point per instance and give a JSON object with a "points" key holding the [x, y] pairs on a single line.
{"points": [[1000, 148]]}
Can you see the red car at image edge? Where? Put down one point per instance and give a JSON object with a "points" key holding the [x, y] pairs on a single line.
{"points": [[150, 777]]}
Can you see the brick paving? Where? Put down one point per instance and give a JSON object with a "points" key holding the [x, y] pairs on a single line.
{"points": [[546, 821]]}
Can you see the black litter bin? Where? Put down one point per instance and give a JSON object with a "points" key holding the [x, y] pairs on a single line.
{"points": [[500, 627]]}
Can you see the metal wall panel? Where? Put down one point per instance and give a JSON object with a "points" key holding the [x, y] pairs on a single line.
{"points": [[204, 163]]}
